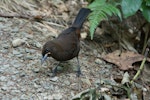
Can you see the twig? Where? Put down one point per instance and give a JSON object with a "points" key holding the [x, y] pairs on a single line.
{"points": [[55, 24], [14, 15], [141, 66]]}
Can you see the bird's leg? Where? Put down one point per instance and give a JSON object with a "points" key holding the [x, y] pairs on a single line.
{"points": [[78, 70], [54, 71]]}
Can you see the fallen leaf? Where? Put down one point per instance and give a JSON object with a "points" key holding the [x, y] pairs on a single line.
{"points": [[125, 60], [125, 78]]}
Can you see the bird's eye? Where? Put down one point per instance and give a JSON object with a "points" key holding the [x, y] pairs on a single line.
{"points": [[47, 50]]}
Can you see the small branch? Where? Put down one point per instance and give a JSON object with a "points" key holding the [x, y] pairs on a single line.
{"points": [[36, 17], [141, 66], [14, 15]]}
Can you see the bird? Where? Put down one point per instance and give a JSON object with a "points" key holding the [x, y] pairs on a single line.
{"points": [[67, 45]]}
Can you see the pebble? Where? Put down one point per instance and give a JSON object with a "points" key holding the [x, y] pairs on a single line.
{"points": [[57, 96], [39, 90], [30, 50], [15, 52], [29, 36], [17, 42], [14, 98], [54, 79], [67, 82], [17, 65], [6, 46], [24, 97], [98, 61], [6, 97], [10, 83], [23, 89], [3, 78], [4, 88], [4, 67], [38, 45], [36, 70], [49, 97], [22, 74], [19, 55], [29, 57], [47, 86], [14, 92]]}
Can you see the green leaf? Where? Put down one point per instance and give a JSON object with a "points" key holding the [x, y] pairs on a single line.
{"points": [[146, 12], [95, 19], [100, 11], [147, 2], [129, 7]]}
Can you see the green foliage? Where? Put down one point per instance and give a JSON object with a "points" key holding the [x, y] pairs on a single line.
{"points": [[146, 10], [147, 2], [130, 7], [100, 11]]}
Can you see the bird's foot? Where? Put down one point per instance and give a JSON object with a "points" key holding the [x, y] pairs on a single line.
{"points": [[54, 72], [79, 72]]}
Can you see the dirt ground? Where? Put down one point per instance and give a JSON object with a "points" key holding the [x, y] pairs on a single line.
{"points": [[22, 77]]}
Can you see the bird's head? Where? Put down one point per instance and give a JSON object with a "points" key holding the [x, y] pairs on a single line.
{"points": [[46, 52]]}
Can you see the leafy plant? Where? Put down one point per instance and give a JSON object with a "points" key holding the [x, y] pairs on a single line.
{"points": [[100, 11], [130, 7]]}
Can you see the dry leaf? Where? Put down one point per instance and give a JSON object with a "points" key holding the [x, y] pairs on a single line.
{"points": [[125, 60]]}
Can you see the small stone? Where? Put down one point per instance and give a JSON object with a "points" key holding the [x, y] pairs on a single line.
{"points": [[67, 82], [17, 65], [14, 30], [48, 86], [17, 42], [29, 57], [29, 36], [23, 90], [38, 45], [24, 97], [4, 88], [30, 50], [57, 96], [5, 67], [22, 74], [10, 83], [13, 92], [15, 52], [40, 90], [6, 46], [19, 55], [5, 97], [14, 98], [98, 61], [54, 79], [83, 35], [36, 70], [3, 78], [49, 97]]}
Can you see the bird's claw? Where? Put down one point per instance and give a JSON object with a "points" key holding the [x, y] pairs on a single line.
{"points": [[79, 72], [54, 72]]}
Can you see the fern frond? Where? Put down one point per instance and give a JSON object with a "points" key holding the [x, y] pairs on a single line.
{"points": [[100, 11]]}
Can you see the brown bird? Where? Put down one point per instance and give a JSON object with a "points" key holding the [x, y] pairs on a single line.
{"points": [[67, 45]]}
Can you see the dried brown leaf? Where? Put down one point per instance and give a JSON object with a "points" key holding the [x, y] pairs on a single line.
{"points": [[125, 60]]}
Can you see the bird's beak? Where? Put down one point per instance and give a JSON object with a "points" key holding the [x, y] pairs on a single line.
{"points": [[44, 58]]}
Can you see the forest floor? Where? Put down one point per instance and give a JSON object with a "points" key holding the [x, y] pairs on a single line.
{"points": [[22, 77]]}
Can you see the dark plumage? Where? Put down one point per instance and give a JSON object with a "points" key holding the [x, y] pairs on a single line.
{"points": [[67, 45]]}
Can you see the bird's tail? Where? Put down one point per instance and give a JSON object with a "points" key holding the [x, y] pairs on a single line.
{"points": [[79, 20]]}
